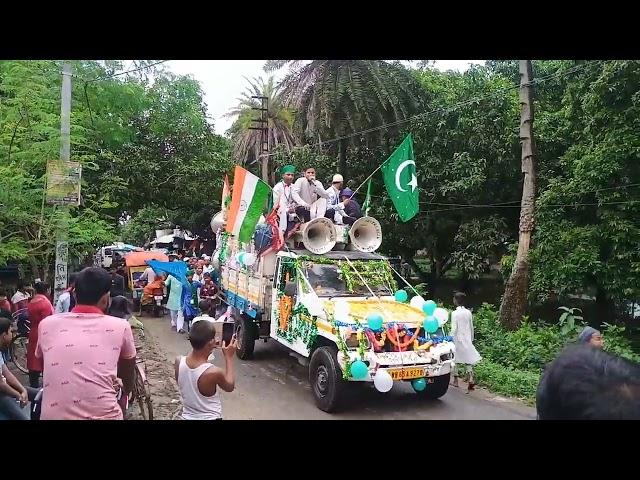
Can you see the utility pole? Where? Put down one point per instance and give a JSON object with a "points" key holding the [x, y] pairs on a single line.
{"points": [[514, 301], [62, 246], [263, 123]]}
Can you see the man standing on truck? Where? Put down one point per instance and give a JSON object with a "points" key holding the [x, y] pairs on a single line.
{"points": [[306, 191], [283, 198]]}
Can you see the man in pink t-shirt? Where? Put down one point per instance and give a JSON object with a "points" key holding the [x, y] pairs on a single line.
{"points": [[84, 352]]}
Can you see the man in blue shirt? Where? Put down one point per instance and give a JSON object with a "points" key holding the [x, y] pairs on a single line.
{"points": [[351, 210]]}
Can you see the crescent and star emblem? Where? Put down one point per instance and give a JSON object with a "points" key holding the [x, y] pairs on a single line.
{"points": [[414, 181]]}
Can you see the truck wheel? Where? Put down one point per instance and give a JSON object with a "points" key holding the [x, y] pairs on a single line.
{"points": [[246, 338], [436, 389], [325, 377]]}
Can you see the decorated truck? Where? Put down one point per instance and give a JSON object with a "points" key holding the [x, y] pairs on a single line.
{"points": [[334, 303]]}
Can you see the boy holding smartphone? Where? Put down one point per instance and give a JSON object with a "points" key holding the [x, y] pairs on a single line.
{"points": [[199, 381]]}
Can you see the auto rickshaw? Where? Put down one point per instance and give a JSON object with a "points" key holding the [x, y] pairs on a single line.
{"points": [[136, 265]]}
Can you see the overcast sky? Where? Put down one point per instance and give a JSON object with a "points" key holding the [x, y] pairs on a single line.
{"points": [[222, 81]]}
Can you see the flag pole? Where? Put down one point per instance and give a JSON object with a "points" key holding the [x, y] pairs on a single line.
{"points": [[379, 167], [366, 179]]}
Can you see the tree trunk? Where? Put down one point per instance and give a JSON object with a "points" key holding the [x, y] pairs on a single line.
{"points": [[342, 158], [264, 168], [465, 285], [272, 175], [514, 301], [38, 271], [605, 309], [423, 276]]}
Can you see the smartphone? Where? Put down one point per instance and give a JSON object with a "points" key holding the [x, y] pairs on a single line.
{"points": [[228, 331]]}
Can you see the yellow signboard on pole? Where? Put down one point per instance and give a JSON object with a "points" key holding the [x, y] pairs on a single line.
{"points": [[63, 183]]}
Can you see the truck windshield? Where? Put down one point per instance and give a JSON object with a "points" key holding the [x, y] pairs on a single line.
{"points": [[326, 282]]}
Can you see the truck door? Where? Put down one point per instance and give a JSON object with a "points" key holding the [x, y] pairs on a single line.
{"points": [[286, 291]]}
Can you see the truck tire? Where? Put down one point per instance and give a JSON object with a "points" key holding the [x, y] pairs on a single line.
{"points": [[325, 378], [436, 389], [246, 337]]}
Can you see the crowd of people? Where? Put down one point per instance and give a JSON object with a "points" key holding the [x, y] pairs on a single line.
{"points": [[85, 351], [183, 306]]}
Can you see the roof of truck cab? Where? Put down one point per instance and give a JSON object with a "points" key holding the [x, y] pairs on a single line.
{"points": [[339, 255]]}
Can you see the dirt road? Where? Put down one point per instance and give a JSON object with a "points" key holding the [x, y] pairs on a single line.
{"points": [[274, 386]]}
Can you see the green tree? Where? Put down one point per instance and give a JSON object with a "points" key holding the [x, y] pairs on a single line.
{"points": [[247, 142], [140, 142], [336, 98], [29, 136], [466, 152], [140, 229], [588, 228]]}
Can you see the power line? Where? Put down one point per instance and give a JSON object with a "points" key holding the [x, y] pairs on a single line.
{"points": [[559, 205], [125, 72], [87, 82], [508, 204]]}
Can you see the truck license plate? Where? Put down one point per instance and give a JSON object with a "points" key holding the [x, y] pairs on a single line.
{"points": [[406, 373]]}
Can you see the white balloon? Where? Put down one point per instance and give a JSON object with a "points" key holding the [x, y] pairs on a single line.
{"points": [[383, 381], [417, 302], [249, 259], [442, 315]]}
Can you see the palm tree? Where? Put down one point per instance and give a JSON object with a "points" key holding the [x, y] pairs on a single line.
{"points": [[247, 142], [341, 97]]}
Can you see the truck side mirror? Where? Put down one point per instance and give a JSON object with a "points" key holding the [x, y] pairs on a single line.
{"points": [[291, 289]]}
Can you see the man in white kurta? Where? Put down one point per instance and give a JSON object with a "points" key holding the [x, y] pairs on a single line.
{"points": [[283, 197], [463, 335], [306, 192], [334, 199]]}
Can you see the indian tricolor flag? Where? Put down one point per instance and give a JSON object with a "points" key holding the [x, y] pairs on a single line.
{"points": [[247, 201]]}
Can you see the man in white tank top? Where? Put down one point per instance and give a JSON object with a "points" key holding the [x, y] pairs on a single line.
{"points": [[199, 380]]}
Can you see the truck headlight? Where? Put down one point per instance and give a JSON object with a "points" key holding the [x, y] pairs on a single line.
{"points": [[446, 356]]}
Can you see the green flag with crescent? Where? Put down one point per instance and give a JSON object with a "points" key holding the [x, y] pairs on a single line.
{"points": [[399, 172]]}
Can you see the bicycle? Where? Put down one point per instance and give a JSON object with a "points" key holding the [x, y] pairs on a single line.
{"points": [[16, 352], [141, 392]]}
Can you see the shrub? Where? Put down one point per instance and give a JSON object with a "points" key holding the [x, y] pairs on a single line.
{"points": [[512, 361], [507, 381]]}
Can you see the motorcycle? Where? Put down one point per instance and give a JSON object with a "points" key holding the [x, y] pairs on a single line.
{"points": [[153, 303]]}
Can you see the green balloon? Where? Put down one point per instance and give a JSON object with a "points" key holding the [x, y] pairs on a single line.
{"points": [[401, 296], [359, 370], [419, 384], [375, 321], [429, 307], [430, 324]]}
